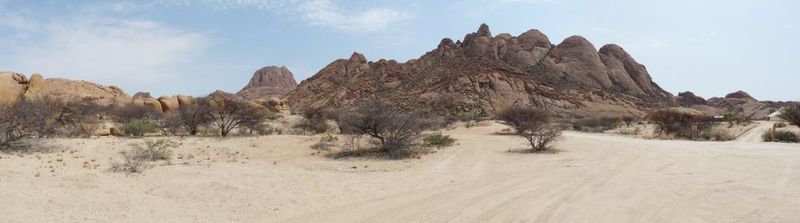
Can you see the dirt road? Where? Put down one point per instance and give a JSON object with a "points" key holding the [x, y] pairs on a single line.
{"points": [[594, 178]]}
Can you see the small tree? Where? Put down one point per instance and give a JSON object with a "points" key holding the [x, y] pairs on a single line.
{"points": [[228, 113], [395, 131], [535, 125], [26, 119], [196, 115], [791, 114]]}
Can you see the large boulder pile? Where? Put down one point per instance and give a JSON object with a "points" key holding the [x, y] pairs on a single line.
{"points": [[486, 73]]}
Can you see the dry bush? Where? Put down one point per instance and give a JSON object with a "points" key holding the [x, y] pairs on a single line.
{"points": [[600, 124], [535, 125], [680, 124], [195, 116], [130, 112], [791, 114], [780, 125], [228, 113], [781, 136], [438, 140], [315, 120], [26, 119], [468, 117], [136, 159], [326, 143], [395, 131], [717, 134]]}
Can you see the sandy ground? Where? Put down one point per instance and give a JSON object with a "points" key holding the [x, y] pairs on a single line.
{"points": [[594, 178]]}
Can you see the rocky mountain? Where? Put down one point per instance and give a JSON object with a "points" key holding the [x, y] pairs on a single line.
{"points": [[14, 87], [269, 82], [487, 73], [738, 102]]}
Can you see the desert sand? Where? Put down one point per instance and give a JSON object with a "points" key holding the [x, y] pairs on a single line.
{"points": [[593, 178]]}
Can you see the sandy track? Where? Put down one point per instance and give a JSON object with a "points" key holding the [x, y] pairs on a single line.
{"points": [[595, 178]]}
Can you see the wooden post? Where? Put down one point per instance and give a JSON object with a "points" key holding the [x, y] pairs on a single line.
{"points": [[774, 126]]}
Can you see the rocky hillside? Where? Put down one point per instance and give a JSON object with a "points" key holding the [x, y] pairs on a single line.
{"points": [[739, 102], [14, 87], [486, 73], [269, 82]]}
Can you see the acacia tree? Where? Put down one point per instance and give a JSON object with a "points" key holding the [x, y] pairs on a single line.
{"points": [[791, 114], [195, 115], [396, 131], [228, 113], [535, 125]]}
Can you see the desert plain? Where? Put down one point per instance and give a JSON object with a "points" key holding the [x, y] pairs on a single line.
{"points": [[278, 178]]}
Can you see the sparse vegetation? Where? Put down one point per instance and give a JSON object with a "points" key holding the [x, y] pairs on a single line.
{"points": [[469, 118], [139, 127], [394, 130], [438, 140], [780, 136], [791, 114], [194, 116], [534, 125], [135, 160], [600, 124], [228, 113], [315, 120], [24, 120], [680, 124]]}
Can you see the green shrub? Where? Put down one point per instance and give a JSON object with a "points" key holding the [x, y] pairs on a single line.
{"points": [[467, 117], [781, 136], [601, 124], [438, 140], [791, 114], [139, 127]]}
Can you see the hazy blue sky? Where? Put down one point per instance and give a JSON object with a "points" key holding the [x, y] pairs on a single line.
{"points": [[710, 47]]}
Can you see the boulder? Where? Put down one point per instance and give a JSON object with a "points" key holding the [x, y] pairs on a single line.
{"points": [[37, 88], [184, 100], [11, 87], [152, 103], [739, 95], [169, 104]]}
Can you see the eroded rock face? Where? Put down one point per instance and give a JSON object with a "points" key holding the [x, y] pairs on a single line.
{"points": [[269, 82], [487, 74]]}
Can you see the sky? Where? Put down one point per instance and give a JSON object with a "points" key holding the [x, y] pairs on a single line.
{"points": [[167, 47]]}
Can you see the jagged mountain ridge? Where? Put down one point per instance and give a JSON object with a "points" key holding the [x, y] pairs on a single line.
{"points": [[485, 73]]}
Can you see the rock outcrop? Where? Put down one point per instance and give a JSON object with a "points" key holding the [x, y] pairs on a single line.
{"points": [[739, 102], [486, 74], [14, 87], [688, 99], [269, 82]]}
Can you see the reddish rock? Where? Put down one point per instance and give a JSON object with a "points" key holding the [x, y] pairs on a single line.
{"points": [[688, 99], [486, 74], [269, 82], [740, 95]]}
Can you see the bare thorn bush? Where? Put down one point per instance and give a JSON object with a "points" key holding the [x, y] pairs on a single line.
{"points": [[535, 125]]}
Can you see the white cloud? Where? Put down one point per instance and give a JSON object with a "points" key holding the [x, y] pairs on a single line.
{"points": [[131, 53], [322, 13]]}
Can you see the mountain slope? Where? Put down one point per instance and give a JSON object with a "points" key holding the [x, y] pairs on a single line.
{"points": [[485, 74]]}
